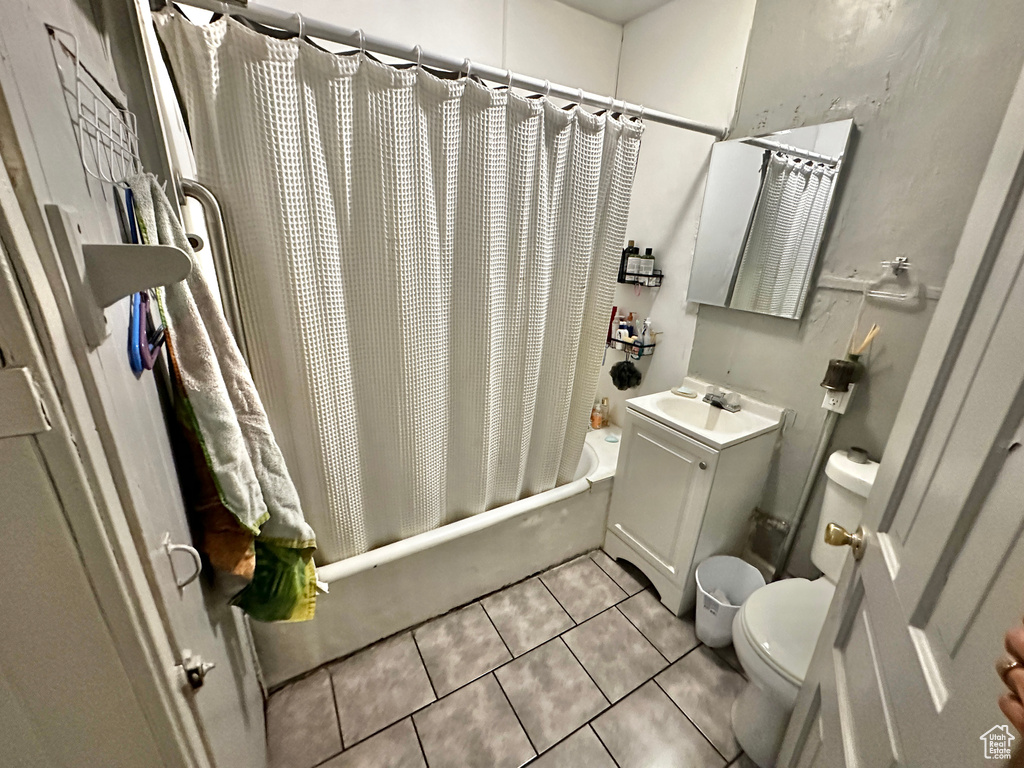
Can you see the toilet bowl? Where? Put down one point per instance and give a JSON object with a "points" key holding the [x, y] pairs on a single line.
{"points": [[777, 629]]}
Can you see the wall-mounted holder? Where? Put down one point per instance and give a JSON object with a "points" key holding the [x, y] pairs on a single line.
{"points": [[895, 273], [107, 131], [647, 280], [636, 349], [101, 274]]}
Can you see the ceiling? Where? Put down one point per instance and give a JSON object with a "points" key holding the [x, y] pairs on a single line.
{"points": [[617, 11]]}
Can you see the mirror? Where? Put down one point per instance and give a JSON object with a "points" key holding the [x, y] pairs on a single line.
{"points": [[765, 207]]}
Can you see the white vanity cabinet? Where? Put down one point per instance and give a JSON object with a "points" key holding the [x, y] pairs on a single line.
{"points": [[677, 498]]}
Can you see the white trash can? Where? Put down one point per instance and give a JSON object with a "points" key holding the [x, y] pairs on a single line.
{"points": [[723, 583]]}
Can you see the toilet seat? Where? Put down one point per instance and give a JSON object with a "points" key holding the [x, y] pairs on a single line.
{"points": [[781, 623]]}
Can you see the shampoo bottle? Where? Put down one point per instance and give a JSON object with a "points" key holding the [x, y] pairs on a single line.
{"points": [[646, 266], [626, 252], [633, 263]]}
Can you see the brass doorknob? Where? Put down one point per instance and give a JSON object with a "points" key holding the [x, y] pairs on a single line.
{"points": [[838, 536]]}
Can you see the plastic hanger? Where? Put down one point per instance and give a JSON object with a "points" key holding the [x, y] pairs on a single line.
{"points": [[144, 341]]}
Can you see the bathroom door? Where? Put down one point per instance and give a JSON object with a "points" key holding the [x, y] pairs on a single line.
{"points": [[903, 672], [119, 420]]}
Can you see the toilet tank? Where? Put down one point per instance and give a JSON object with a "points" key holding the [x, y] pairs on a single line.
{"points": [[846, 492]]}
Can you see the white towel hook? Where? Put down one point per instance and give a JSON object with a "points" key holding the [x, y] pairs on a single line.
{"points": [[302, 25]]}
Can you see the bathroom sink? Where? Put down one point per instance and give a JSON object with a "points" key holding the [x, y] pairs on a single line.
{"points": [[712, 426]]}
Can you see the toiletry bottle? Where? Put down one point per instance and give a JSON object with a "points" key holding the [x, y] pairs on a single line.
{"points": [[605, 412], [646, 266], [624, 332], [622, 261], [646, 337], [595, 416], [633, 264]]}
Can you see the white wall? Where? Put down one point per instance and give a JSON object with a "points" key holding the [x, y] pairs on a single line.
{"points": [[542, 38], [927, 85], [686, 58]]}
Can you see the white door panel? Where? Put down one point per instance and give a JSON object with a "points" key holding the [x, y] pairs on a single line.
{"points": [[902, 674], [55, 649], [130, 418]]}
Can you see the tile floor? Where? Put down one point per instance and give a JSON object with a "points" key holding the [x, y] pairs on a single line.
{"points": [[579, 666]]}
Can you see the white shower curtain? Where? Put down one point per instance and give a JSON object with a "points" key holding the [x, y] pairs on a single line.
{"points": [[784, 236], [425, 269]]}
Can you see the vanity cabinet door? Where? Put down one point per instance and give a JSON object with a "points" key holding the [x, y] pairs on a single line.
{"points": [[662, 484]]}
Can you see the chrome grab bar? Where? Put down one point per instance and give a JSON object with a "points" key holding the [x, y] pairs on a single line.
{"points": [[221, 260]]}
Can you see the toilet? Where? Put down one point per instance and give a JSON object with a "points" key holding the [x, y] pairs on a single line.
{"points": [[777, 628]]}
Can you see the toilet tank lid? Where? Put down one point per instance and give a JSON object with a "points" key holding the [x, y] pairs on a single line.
{"points": [[852, 476]]}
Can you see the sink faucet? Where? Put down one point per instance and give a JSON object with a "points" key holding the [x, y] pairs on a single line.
{"points": [[726, 401]]}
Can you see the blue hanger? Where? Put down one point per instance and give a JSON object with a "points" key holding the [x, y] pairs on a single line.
{"points": [[143, 343], [135, 315]]}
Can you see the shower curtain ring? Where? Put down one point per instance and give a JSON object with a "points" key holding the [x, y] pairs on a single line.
{"points": [[510, 76], [419, 56], [362, 42], [547, 88], [640, 116], [467, 65], [302, 25], [580, 99]]}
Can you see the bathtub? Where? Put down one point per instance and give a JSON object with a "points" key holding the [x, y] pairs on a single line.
{"points": [[400, 585]]}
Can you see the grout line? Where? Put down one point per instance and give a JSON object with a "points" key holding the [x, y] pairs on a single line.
{"points": [[419, 653], [511, 656], [419, 741], [518, 720], [337, 714], [645, 637], [587, 725], [739, 670], [611, 575], [555, 598], [601, 742], [603, 572], [599, 689], [701, 732]]}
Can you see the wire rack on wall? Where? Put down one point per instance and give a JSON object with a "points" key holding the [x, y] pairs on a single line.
{"points": [[107, 133], [635, 349]]}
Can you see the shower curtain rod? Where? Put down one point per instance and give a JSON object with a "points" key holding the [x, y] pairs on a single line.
{"points": [[795, 151], [303, 27]]}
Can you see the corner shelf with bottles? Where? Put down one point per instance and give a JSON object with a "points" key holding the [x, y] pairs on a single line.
{"points": [[626, 334], [637, 269]]}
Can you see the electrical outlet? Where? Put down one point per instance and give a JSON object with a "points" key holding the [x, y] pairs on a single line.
{"points": [[837, 401]]}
